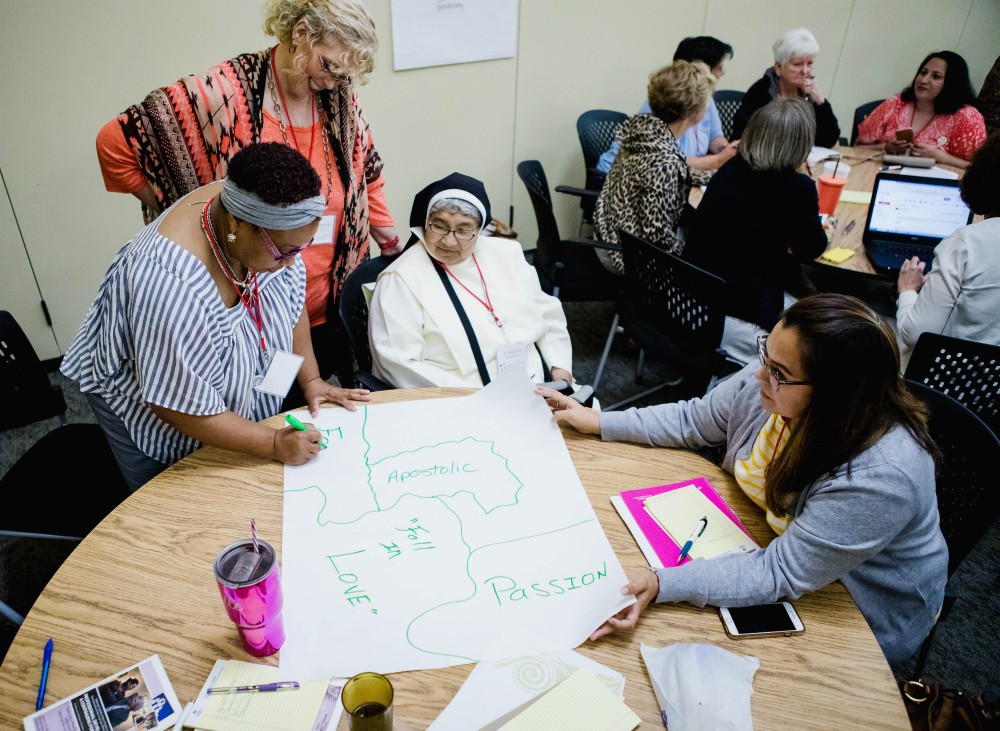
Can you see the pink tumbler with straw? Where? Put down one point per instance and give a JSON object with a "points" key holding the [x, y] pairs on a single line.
{"points": [[247, 575]]}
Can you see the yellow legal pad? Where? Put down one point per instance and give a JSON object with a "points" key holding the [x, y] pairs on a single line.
{"points": [[580, 702], [281, 710], [678, 512]]}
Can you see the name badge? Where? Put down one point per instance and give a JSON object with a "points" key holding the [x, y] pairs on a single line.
{"points": [[280, 374], [327, 227], [513, 355]]}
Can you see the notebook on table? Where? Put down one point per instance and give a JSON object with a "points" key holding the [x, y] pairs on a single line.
{"points": [[909, 215]]}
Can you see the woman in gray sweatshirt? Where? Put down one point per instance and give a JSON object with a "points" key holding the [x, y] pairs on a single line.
{"points": [[847, 476]]}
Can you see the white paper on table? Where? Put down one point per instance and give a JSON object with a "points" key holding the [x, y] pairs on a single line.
{"points": [[440, 532], [821, 153], [931, 172], [495, 688]]}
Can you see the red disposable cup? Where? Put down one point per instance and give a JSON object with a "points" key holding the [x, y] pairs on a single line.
{"points": [[829, 192]]}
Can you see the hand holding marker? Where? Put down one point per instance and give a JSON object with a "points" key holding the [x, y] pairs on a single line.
{"points": [[302, 427]]}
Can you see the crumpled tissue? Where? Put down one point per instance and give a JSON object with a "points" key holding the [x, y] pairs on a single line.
{"points": [[701, 687]]}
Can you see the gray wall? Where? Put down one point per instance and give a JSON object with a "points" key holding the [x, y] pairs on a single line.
{"points": [[70, 65]]}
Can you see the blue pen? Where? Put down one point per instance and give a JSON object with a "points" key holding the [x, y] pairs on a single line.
{"points": [[46, 661], [699, 529], [302, 427]]}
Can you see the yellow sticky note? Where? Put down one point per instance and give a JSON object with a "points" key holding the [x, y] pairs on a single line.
{"points": [[837, 255], [856, 196], [580, 702]]}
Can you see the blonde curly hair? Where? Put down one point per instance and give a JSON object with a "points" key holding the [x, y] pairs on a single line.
{"points": [[680, 90], [342, 21]]}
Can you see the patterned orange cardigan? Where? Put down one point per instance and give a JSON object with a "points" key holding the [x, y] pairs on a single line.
{"points": [[183, 136]]}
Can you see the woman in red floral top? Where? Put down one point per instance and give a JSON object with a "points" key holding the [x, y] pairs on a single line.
{"points": [[938, 106]]}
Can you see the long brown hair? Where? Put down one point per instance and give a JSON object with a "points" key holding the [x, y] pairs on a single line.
{"points": [[851, 359]]}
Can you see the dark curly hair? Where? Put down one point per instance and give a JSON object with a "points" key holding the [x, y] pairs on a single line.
{"points": [[957, 91], [275, 173], [981, 182]]}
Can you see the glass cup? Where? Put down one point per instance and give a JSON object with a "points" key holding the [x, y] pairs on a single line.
{"points": [[829, 192], [367, 698]]}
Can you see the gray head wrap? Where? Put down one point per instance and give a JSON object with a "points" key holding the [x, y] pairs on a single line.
{"points": [[247, 206]]}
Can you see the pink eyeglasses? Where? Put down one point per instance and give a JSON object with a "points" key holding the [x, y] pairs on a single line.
{"points": [[275, 252]]}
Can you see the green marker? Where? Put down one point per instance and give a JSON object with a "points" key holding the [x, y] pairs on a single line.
{"points": [[302, 427]]}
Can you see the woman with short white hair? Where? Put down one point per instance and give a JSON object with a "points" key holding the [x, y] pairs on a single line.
{"points": [[792, 75]]}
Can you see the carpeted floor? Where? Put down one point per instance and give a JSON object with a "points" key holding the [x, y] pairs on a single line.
{"points": [[966, 651]]}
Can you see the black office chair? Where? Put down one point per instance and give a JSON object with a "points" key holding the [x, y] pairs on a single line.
{"points": [[727, 101], [58, 490], [596, 129], [673, 311], [860, 114], [967, 371], [567, 268], [966, 486], [353, 311]]}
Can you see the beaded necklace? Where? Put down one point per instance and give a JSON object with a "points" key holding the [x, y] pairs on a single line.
{"points": [[275, 87], [209, 231]]}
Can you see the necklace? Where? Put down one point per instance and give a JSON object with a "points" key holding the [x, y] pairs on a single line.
{"points": [[273, 84], [209, 230], [249, 299], [487, 303]]}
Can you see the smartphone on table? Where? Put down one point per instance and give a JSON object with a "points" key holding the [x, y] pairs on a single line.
{"points": [[761, 620], [904, 135]]}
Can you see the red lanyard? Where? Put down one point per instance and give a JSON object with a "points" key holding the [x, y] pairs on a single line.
{"points": [[488, 303], [251, 302], [288, 113]]}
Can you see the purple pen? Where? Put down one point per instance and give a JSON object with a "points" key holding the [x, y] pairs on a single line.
{"points": [[262, 688]]}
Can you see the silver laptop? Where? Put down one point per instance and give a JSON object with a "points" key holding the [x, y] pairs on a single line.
{"points": [[909, 215]]}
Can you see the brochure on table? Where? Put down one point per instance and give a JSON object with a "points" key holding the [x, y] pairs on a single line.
{"points": [[115, 704]]}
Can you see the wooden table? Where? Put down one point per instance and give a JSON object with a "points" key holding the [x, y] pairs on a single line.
{"points": [[865, 163], [142, 584]]}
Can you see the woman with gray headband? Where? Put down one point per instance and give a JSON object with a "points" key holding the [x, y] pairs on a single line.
{"points": [[199, 326]]}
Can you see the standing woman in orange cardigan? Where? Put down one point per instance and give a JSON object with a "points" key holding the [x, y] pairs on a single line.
{"points": [[300, 92]]}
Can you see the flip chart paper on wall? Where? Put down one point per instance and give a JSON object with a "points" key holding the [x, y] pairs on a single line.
{"points": [[440, 532], [440, 32]]}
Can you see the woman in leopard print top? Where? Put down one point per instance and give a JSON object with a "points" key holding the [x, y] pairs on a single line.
{"points": [[649, 182]]}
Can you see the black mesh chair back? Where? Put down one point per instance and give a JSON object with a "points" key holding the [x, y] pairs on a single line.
{"points": [[967, 498], [596, 129], [568, 269], [673, 311], [26, 394], [353, 310], [859, 116], [727, 101], [967, 371]]}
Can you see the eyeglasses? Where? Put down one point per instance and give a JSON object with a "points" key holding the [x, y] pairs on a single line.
{"points": [[777, 380], [275, 252], [460, 234]]}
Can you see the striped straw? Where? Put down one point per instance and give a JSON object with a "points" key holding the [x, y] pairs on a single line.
{"points": [[253, 534]]}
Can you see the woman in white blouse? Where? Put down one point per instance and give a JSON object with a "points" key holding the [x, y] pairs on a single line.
{"points": [[457, 308], [960, 297]]}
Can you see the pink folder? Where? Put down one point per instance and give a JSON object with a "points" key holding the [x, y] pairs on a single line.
{"points": [[665, 548]]}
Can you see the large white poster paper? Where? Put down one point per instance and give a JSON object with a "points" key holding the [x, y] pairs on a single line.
{"points": [[440, 532], [440, 32]]}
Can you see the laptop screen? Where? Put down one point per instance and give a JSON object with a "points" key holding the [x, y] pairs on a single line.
{"points": [[922, 207]]}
